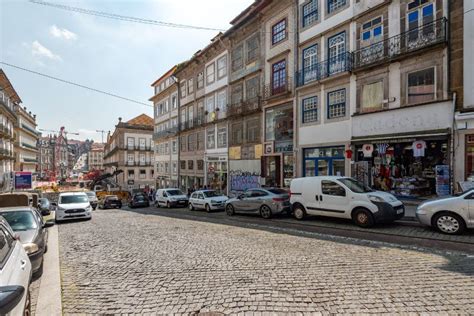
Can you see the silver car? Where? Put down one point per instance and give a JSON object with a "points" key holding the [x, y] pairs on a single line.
{"points": [[451, 215], [265, 201]]}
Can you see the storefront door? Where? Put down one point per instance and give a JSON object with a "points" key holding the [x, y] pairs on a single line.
{"points": [[323, 167], [272, 170]]}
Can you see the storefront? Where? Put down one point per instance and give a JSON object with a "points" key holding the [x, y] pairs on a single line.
{"points": [[278, 157], [324, 161], [217, 174]]}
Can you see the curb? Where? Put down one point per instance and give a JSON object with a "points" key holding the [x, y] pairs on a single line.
{"points": [[49, 298]]}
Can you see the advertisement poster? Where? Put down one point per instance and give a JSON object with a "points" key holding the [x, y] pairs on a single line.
{"points": [[442, 180], [23, 180]]}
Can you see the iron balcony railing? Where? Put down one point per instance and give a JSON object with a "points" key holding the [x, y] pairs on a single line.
{"points": [[138, 163], [137, 147], [29, 129], [244, 107], [168, 132], [324, 69], [6, 153], [9, 105], [32, 160], [195, 122], [28, 146], [278, 87], [421, 37]]}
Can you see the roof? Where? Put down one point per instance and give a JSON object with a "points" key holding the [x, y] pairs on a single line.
{"points": [[16, 208], [165, 75], [140, 120], [8, 87], [248, 13]]}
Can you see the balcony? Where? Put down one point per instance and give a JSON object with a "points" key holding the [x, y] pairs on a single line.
{"points": [[278, 88], [405, 43], [166, 133], [28, 146], [6, 154], [195, 122], [7, 103], [244, 107], [29, 129], [30, 160], [324, 69], [5, 132], [138, 163], [137, 147]]}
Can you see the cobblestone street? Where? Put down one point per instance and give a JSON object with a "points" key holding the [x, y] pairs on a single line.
{"points": [[127, 262]]}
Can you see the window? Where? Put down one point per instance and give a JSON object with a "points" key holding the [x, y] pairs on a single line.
{"points": [[279, 32], [166, 106], [190, 164], [211, 138], [333, 5], [421, 86], [210, 74], [279, 77], [310, 109], [237, 130], [131, 142], [200, 140], [336, 53], [310, 12], [222, 137], [182, 165], [420, 15], [222, 67], [142, 143], [175, 167], [236, 94], [131, 158], [252, 88], [191, 115], [337, 104], [191, 142], [210, 107], [371, 31], [6, 243], [253, 130], [310, 63], [142, 158], [183, 88], [237, 58], [131, 174], [190, 86], [279, 123], [174, 146], [174, 101], [372, 97], [200, 80], [200, 165], [142, 174], [182, 143], [222, 103], [332, 188], [253, 45]]}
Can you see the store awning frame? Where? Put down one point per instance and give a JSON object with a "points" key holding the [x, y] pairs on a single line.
{"points": [[425, 135]]}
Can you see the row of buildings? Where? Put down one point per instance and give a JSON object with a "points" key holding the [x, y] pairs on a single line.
{"points": [[376, 89]]}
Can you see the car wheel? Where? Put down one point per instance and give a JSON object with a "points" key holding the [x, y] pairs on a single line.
{"points": [[363, 218], [449, 223], [191, 207], [265, 212], [299, 212], [208, 208], [27, 311], [229, 210]]}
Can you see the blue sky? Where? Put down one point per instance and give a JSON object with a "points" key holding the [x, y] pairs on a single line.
{"points": [[111, 55]]}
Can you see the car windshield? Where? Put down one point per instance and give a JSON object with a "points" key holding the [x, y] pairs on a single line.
{"points": [[20, 220], [211, 194], [112, 198], [174, 192], [355, 186], [139, 198], [70, 199], [277, 191]]}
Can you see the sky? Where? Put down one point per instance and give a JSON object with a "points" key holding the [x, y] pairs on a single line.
{"points": [[115, 56]]}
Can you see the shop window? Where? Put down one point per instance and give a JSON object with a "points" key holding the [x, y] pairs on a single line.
{"points": [[238, 58], [371, 31], [211, 138], [310, 109], [279, 32], [421, 86], [190, 164], [372, 97], [470, 157], [310, 12], [252, 48], [237, 130], [279, 123], [334, 5], [253, 130], [337, 104], [332, 188], [222, 137]]}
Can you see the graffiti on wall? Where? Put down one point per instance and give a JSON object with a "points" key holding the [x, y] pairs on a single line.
{"points": [[243, 180]]}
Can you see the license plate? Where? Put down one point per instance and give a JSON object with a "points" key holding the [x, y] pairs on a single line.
{"points": [[400, 211]]}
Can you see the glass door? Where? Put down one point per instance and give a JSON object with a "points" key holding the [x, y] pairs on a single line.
{"points": [[324, 167]]}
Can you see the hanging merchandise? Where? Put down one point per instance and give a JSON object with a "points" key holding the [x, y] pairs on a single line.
{"points": [[382, 148], [349, 153], [368, 149], [419, 148]]}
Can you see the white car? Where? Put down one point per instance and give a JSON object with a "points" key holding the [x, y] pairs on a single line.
{"points": [[73, 205], [171, 198], [343, 197], [15, 274], [451, 215], [208, 200], [92, 199]]}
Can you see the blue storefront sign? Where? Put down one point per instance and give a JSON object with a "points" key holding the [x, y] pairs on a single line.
{"points": [[23, 180]]}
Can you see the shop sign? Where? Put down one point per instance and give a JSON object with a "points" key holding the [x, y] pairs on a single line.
{"points": [[258, 151], [410, 119], [23, 180], [234, 152], [442, 180]]}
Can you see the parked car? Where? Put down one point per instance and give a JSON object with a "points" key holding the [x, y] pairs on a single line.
{"points": [[110, 201], [139, 200], [208, 200], [343, 197], [44, 206], [92, 199], [265, 201], [28, 224], [451, 215], [171, 198], [73, 205], [15, 274]]}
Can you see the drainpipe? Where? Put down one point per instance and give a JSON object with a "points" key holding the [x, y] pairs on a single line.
{"points": [[296, 151], [453, 145]]}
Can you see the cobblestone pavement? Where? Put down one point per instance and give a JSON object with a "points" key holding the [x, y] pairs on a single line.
{"points": [[34, 292], [127, 262]]}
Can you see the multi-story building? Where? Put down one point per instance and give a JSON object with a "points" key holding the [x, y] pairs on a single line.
{"points": [[166, 102], [95, 157], [26, 141], [130, 149], [8, 118], [45, 157]]}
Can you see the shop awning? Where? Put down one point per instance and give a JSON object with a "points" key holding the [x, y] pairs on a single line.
{"points": [[439, 134]]}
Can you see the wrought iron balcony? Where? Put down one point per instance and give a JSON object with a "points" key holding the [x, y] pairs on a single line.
{"points": [[410, 41], [235, 108], [6, 154], [252, 105], [166, 133], [137, 147], [279, 87], [138, 163], [7, 103], [324, 69]]}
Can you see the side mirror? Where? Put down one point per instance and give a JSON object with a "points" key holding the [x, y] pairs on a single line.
{"points": [[48, 224], [10, 296]]}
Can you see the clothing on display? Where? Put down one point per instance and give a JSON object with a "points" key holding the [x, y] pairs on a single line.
{"points": [[419, 148], [368, 149]]}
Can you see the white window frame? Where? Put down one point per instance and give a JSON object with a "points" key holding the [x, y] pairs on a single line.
{"points": [[210, 76], [221, 69]]}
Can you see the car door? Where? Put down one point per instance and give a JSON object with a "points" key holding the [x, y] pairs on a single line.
{"points": [[311, 191], [201, 201], [333, 200], [241, 204], [162, 198], [14, 264], [256, 200], [470, 209]]}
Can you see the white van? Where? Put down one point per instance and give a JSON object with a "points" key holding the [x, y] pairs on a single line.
{"points": [[171, 198], [73, 205], [343, 197]]}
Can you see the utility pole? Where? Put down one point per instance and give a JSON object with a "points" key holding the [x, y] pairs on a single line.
{"points": [[102, 132]]}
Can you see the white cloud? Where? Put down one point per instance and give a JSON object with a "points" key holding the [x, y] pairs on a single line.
{"points": [[39, 50], [62, 33]]}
